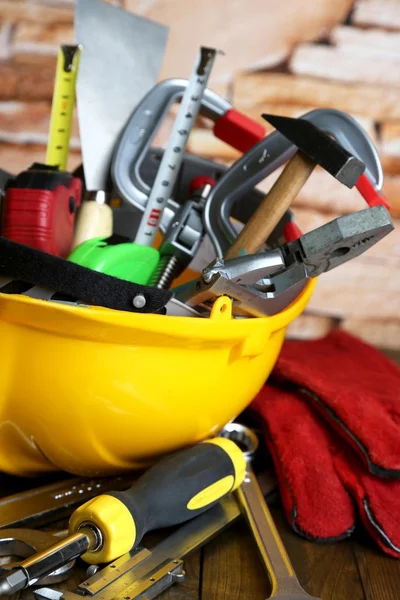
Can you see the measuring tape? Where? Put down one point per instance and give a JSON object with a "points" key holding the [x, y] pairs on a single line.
{"points": [[62, 107], [173, 155]]}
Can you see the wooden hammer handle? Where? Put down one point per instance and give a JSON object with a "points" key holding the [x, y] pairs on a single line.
{"points": [[273, 207]]}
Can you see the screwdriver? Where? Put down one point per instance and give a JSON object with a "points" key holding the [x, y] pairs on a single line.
{"points": [[176, 489]]}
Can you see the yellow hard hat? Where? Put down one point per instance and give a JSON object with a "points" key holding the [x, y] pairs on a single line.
{"points": [[95, 391]]}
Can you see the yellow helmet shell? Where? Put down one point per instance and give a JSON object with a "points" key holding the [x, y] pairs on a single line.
{"points": [[94, 391]]}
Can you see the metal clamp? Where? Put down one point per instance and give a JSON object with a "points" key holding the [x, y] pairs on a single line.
{"points": [[136, 139]]}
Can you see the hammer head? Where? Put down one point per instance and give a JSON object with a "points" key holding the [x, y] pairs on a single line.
{"points": [[322, 149]]}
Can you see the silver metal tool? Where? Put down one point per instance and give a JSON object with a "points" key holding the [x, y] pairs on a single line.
{"points": [[121, 58], [285, 585], [49, 503], [246, 173], [23, 543], [173, 155], [284, 271], [144, 574], [271, 153], [181, 241]]}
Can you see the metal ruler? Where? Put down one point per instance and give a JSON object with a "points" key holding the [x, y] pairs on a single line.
{"points": [[62, 107], [173, 155]]}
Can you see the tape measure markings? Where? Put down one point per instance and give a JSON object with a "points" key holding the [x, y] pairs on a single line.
{"points": [[173, 155], [62, 106]]}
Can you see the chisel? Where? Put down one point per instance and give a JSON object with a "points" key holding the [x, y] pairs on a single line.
{"points": [[176, 489]]}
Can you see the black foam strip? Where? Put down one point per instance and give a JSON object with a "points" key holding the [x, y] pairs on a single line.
{"points": [[39, 268]]}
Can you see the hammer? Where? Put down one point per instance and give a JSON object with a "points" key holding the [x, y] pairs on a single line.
{"points": [[315, 147]]}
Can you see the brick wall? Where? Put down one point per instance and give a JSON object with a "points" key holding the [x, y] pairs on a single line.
{"points": [[285, 59]]}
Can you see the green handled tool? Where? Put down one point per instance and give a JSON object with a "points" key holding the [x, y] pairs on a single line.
{"points": [[178, 488], [117, 256]]}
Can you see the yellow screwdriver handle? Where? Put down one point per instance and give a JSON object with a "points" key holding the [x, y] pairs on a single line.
{"points": [[176, 489], [62, 107]]}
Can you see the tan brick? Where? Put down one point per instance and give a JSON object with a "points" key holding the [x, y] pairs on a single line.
{"points": [[5, 40], [202, 142], [36, 58], [375, 102], [366, 43], [238, 28], [391, 190], [38, 38], [366, 287], [390, 163], [334, 64], [380, 332], [28, 123], [16, 157], [25, 82], [390, 138], [310, 326], [15, 11], [293, 110], [378, 13]]}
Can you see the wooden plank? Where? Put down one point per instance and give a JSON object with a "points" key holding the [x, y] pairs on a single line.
{"points": [[366, 43], [268, 41], [332, 63], [310, 326], [372, 101], [379, 574], [380, 332], [189, 588], [326, 571], [377, 13], [15, 157], [25, 82], [232, 569], [13, 11]]}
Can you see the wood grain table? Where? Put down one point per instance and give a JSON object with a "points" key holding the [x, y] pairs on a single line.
{"points": [[229, 568]]}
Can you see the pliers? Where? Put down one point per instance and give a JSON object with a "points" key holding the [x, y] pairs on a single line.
{"points": [[266, 283]]}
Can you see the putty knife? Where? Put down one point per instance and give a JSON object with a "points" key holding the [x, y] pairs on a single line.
{"points": [[120, 61]]}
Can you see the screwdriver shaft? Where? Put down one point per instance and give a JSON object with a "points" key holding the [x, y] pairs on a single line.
{"points": [[48, 560]]}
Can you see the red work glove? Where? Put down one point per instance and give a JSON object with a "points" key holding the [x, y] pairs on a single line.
{"points": [[331, 416]]}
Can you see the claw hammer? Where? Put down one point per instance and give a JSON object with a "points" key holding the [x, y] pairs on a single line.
{"points": [[314, 147]]}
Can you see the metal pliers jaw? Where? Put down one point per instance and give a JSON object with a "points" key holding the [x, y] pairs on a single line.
{"points": [[266, 283]]}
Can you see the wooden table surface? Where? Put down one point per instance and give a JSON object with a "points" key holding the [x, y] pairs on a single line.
{"points": [[229, 568]]}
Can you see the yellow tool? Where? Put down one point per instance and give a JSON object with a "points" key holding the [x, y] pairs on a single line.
{"points": [[62, 107], [176, 489]]}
